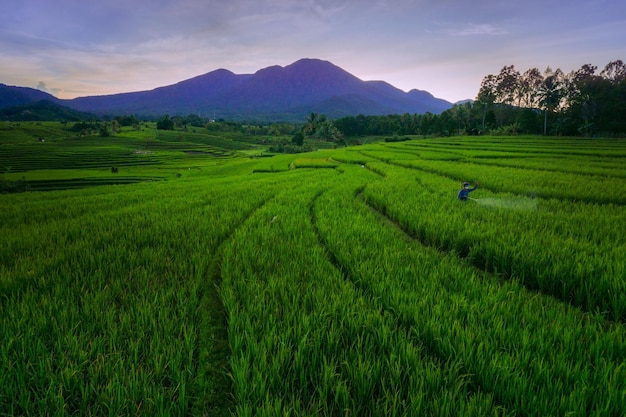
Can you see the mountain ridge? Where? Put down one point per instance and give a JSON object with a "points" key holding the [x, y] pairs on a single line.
{"points": [[274, 93]]}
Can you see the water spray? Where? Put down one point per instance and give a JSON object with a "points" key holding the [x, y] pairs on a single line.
{"points": [[519, 203]]}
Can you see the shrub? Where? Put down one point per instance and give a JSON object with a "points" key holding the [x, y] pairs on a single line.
{"points": [[18, 186]]}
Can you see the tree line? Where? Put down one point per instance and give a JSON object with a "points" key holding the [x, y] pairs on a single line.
{"points": [[584, 102], [580, 103]]}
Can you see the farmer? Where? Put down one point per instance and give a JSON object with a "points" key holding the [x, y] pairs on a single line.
{"points": [[464, 192]]}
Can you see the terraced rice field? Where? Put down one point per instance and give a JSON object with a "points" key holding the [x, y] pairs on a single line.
{"points": [[50, 157], [341, 282]]}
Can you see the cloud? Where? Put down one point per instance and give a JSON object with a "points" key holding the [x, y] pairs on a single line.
{"points": [[483, 29], [445, 46], [43, 87]]}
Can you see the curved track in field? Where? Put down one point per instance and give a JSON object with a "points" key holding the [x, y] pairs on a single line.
{"points": [[574, 295], [444, 325], [218, 400], [434, 355]]}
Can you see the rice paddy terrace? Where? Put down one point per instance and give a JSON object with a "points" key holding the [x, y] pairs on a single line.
{"points": [[202, 280], [57, 159]]}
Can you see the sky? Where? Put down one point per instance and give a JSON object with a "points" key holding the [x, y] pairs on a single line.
{"points": [[74, 48]]}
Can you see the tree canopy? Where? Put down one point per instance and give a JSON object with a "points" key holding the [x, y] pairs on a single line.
{"points": [[550, 102]]}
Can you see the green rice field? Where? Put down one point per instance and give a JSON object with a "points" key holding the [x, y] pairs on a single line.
{"points": [[201, 279]]}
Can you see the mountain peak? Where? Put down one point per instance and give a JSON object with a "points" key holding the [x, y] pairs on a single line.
{"points": [[312, 62], [317, 66]]}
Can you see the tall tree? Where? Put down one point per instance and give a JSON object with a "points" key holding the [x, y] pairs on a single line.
{"points": [[487, 95], [550, 93], [461, 114], [165, 123], [530, 82], [583, 92], [327, 131], [507, 85], [614, 71], [312, 121]]}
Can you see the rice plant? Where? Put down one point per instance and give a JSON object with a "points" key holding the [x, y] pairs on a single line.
{"points": [[339, 282]]}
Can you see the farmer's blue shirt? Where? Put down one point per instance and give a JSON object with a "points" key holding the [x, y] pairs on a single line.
{"points": [[464, 194]]}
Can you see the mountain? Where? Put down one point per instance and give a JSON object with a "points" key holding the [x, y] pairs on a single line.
{"points": [[199, 95], [20, 96], [43, 110], [275, 93]]}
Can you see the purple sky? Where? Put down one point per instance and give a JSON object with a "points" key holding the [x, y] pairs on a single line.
{"points": [[76, 48]]}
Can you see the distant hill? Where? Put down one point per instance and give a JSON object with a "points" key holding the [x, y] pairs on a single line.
{"points": [[11, 96], [275, 93], [43, 110]]}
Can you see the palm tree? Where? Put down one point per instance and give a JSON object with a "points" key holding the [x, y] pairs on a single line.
{"points": [[550, 93], [327, 131], [311, 124]]}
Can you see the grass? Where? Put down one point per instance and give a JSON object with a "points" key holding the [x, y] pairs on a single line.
{"points": [[495, 331], [339, 282]]}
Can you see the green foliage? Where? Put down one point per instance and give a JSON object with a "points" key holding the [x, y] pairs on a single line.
{"points": [[576, 104], [320, 128], [298, 139], [165, 123], [397, 138], [338, 282], [104, 131], [128, 120], [17, 186], [86, 128]]}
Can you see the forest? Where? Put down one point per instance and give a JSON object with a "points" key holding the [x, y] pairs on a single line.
{"points": [[580, 103]]}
